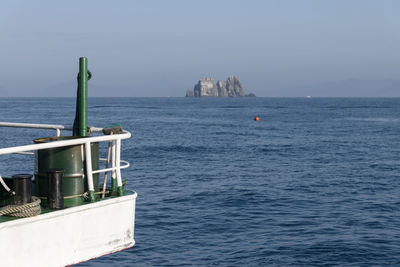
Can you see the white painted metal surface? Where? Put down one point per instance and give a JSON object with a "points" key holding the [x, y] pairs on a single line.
{"points": [[56, 127], [88, 158], [110, 169], [118, 163], [113, 151], [77, 141], [69, 236]]}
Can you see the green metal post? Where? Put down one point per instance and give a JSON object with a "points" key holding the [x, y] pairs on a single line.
{"points": [[81, 122], [92, 196], [114, 186], [120, 190], [83, 79], [80, 127]]}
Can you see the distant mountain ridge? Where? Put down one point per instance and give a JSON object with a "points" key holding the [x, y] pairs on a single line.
{"points": [[355, 88], [207, 87]]}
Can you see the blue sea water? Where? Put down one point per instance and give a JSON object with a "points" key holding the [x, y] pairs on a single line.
{"points": [[315, 182]]}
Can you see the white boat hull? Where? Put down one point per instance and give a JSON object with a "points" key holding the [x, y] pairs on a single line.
{"points": [[69, 236]]}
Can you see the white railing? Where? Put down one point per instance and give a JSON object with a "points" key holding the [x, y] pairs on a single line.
{"points": [[56, 127], [115, 140]]}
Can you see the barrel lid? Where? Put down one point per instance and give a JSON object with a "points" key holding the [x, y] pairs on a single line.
{"points": [[22, 176]]}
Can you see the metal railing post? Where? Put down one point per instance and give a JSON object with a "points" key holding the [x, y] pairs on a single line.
{"points": [[118, 163], [88, 159], [113, 164]]}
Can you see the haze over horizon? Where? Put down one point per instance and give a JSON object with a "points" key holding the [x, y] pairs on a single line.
{"points": [[162, 48]]}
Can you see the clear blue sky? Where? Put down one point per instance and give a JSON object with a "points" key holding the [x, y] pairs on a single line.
{"points": [[162, 48]]}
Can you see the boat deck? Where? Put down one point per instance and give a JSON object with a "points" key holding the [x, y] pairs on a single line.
{"points": [[68, 203]]}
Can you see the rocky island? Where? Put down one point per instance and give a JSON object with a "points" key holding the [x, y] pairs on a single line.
{"points": [[207, 87]]}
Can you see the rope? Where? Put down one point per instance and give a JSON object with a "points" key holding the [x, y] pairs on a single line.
{"points": [[73, 196], [22, 211], [84, 195]]}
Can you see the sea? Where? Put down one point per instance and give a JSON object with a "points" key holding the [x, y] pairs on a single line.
{"points": [[313, 182]]}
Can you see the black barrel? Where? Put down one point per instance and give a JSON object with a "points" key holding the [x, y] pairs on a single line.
{"points": [[55, 189], [22, 187]]}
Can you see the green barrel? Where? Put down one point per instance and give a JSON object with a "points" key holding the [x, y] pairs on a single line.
{"points": [[69, 158]]}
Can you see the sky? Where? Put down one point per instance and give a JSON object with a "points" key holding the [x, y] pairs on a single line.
{"points": [[162, 48]]}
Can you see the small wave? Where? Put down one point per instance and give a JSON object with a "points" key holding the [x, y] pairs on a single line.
{"points": [[378, 119], [355, 107], [109, 106], [248, 134], [233, 107], [173, 149], [278, 148], [148, 107]]}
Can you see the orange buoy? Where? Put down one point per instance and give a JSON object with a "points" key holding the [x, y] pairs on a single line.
{"points": [[256, 118]]}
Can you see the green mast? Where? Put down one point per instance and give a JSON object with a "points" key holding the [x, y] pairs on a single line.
{"points": [[80, 127]]}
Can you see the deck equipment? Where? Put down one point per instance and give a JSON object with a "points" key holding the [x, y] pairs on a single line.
{"points": [[63, 220]]}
